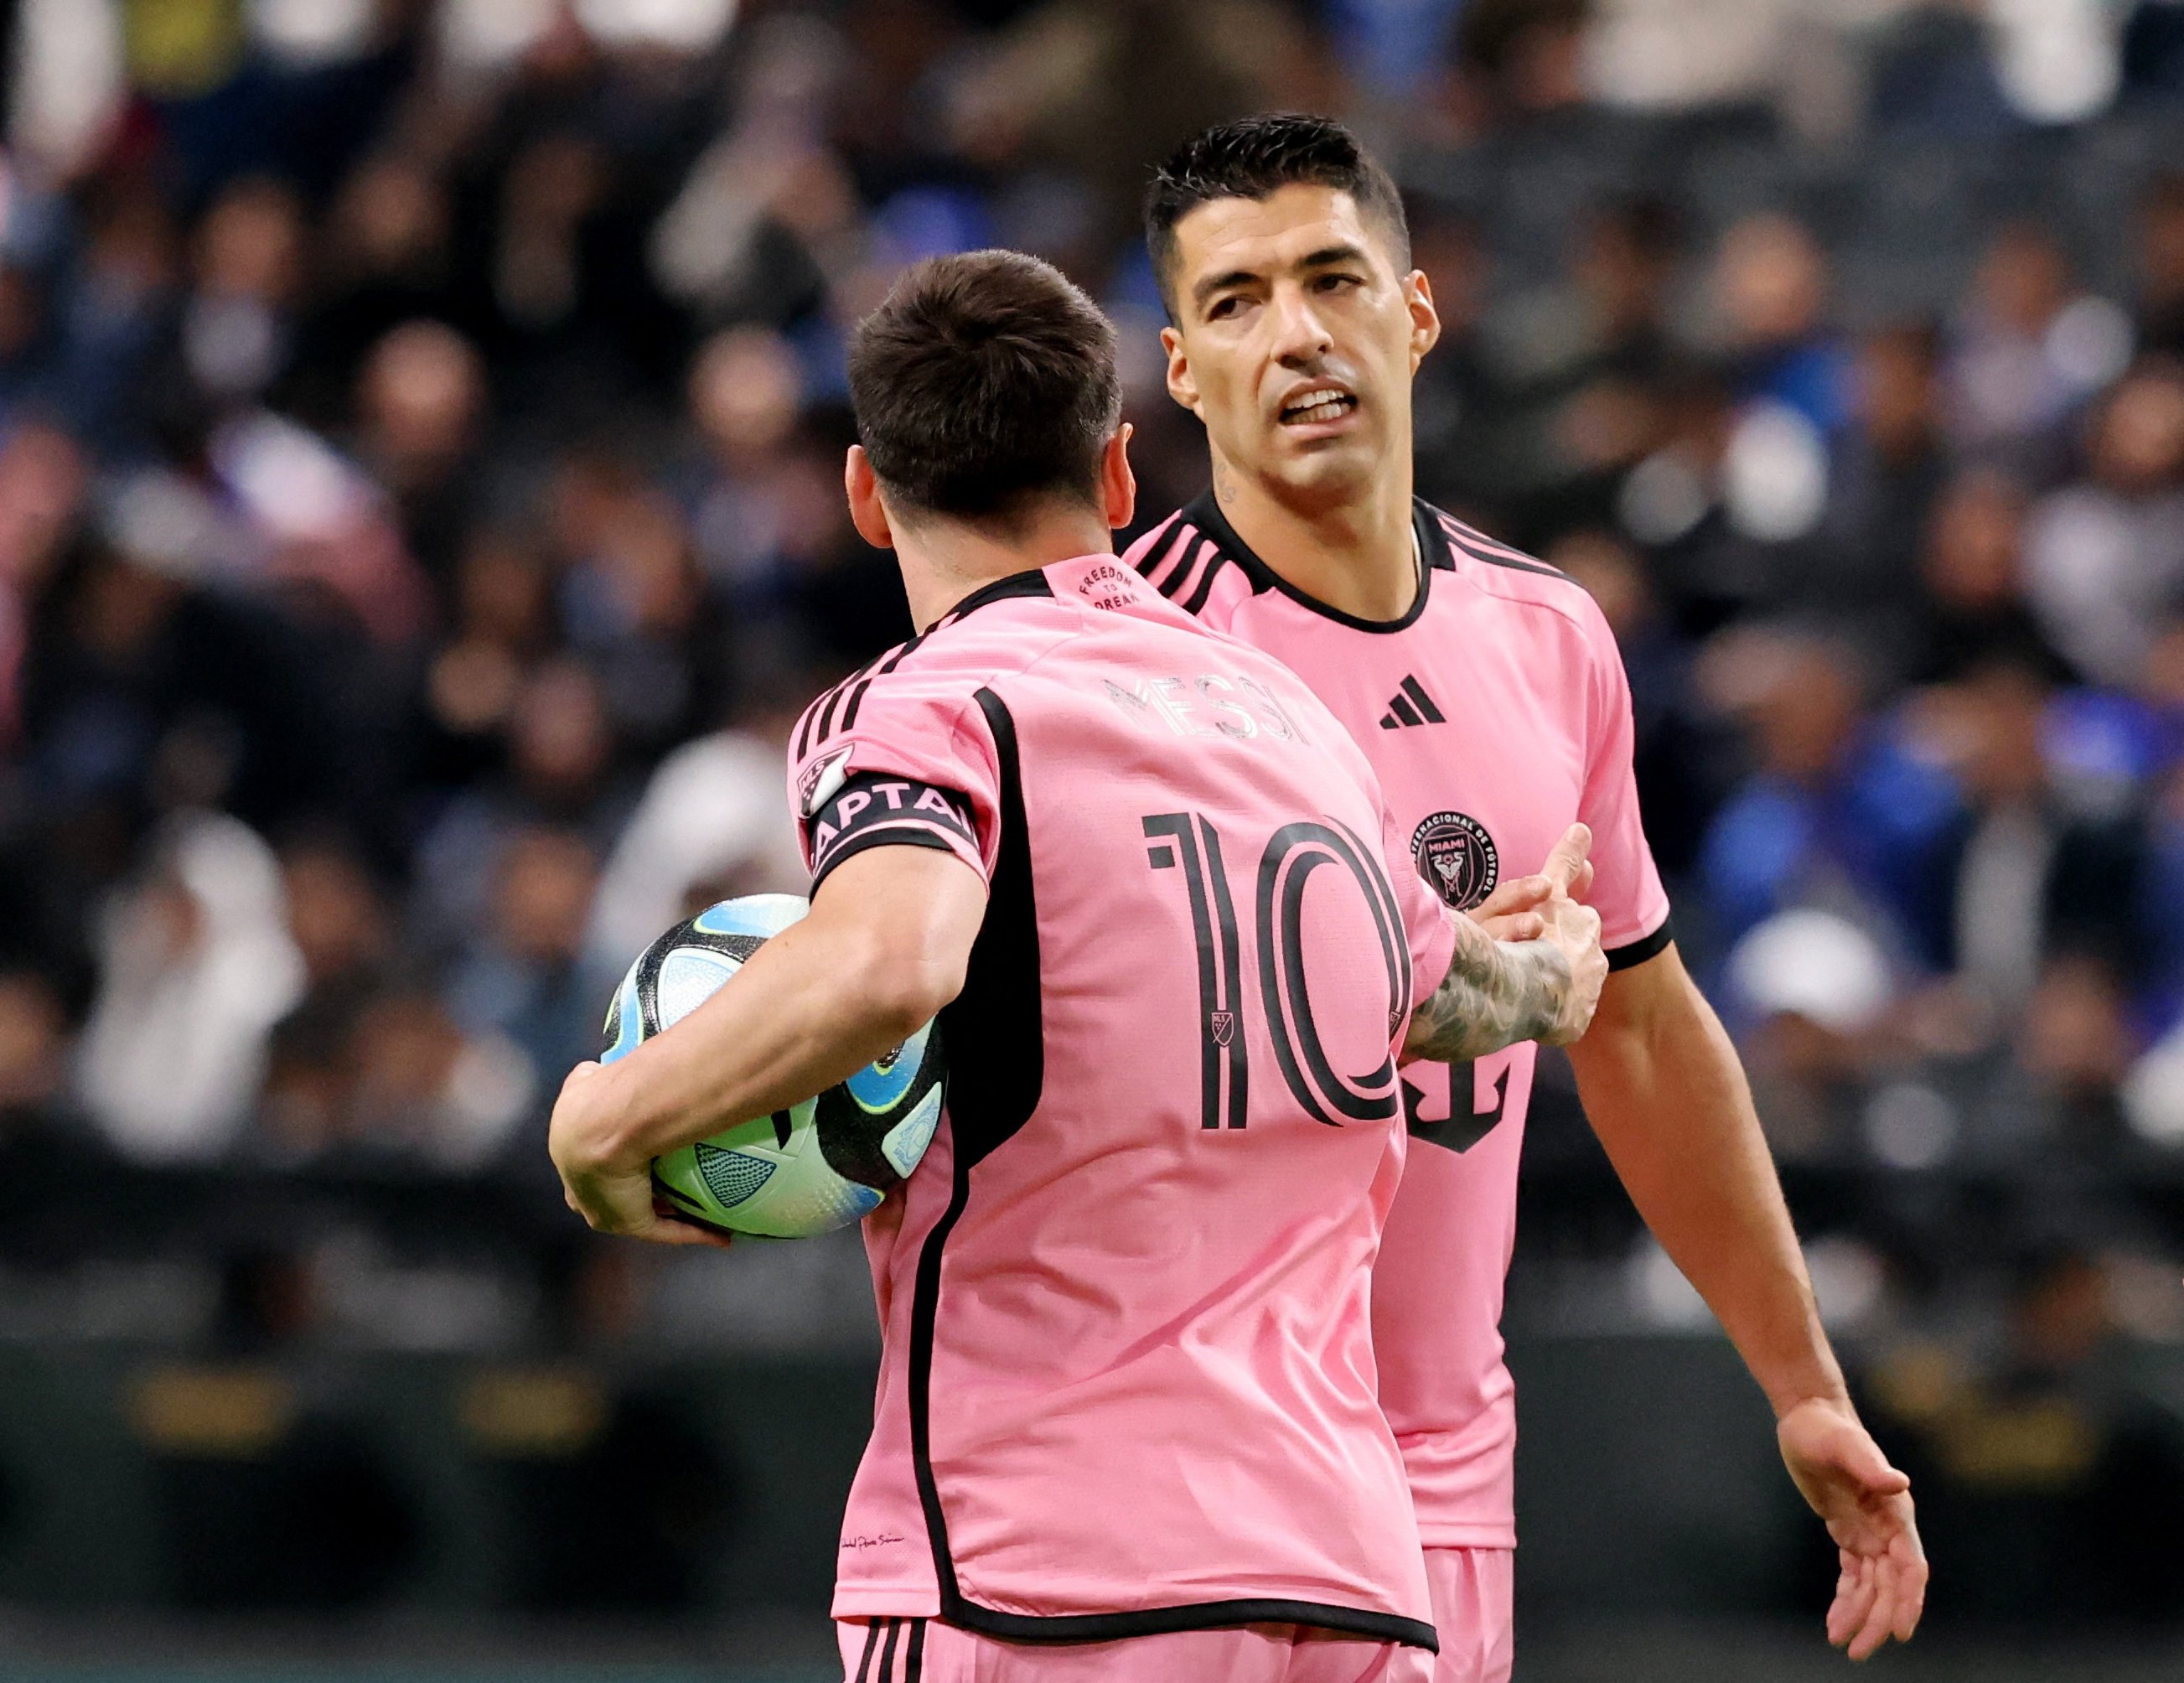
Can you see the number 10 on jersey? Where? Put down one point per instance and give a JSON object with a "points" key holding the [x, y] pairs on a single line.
{"points": [[1189, 842]]}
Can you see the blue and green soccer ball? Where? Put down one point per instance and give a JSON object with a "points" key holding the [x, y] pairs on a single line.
{"points": [[814, 1167]]}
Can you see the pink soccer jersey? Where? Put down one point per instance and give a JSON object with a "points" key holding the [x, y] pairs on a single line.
{"points": [[1497, 713], [1127, 1384]]}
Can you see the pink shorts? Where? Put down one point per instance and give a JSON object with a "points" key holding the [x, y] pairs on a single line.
{"points": [[1473, 1598], [926, 1651]]}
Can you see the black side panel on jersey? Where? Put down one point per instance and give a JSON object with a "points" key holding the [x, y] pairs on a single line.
{"points": [[997, 1073], [998, 1062], [994, 1027]]}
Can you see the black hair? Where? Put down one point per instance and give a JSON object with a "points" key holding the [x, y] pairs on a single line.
{"points": [[983, 383], [1254, 158]]}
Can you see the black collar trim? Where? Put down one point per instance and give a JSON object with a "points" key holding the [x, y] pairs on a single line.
{"points": [[1206, 515], [1031, 583]]}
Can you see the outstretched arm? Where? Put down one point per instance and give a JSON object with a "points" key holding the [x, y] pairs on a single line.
{"points": [[1667, 1095], [882, 950], [1542, 988]]}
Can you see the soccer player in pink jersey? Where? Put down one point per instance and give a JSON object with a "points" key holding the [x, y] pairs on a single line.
{"points": [[1487, 690], [1127, 1425]]}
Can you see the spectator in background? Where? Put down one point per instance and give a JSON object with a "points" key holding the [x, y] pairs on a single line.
{"points": [[745, 393], [111, 309], [561, 771], [641, 612], [525, 979], [1529, 55], [502, 624], [1679, 754], [196, 966], [2029, 349], [344, 934], [1770, 284], [1970, 607], [43, 476], [236, 329], [137, 670], [1836, 813], [1860, 569], [1551, 398], [1468, 435], [712, 824], [418, 1092], [33, 1050], [2160, 264], [2026, 877], [385, 261], [1675, 504], [2105, 556], [420, 404]]}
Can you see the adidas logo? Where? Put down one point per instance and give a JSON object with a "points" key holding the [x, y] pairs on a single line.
{"points": [[1412, 705]]}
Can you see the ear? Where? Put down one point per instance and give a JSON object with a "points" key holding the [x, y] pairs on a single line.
{"points": [[867, 513], [1118, 486], [1425, 319], [1182, 385]]}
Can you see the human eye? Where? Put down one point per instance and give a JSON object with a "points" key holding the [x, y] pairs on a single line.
{"points": [[1223, 308]]}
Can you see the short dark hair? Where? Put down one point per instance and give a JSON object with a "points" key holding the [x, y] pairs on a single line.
{"points": [[985, 381], [1253, 159]]}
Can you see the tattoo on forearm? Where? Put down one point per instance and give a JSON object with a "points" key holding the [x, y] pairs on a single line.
{"points": [[1493, 996]]}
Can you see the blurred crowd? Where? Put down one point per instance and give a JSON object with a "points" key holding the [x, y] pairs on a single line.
{"points": [[419, 442]]}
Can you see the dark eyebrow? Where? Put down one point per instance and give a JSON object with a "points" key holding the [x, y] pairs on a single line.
{"points": [[1215, 283], [1327, 257]]}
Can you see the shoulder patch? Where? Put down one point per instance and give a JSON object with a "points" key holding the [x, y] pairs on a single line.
{"points": [[818, 782]]}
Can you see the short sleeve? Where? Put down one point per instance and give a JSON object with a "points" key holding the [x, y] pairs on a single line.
{"points": [[1626, 883], [914, 766]]}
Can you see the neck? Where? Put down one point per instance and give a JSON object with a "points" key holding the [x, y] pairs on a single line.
{"points": [[1358, 556], [945, 560]]}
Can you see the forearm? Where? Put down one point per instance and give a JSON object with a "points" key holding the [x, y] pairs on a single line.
{"points": [[1495, 994], [783, 1028], [1666, 1095], [881, 951]]}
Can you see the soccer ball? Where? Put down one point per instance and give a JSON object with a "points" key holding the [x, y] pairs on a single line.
{"points": [[814, 1167]]}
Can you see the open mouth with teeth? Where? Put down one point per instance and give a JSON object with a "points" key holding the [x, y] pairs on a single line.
{"points": [[1313, 408]]}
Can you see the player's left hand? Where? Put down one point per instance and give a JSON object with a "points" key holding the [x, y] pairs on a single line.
{"points": [[1866, 1505], [613, 1196]]}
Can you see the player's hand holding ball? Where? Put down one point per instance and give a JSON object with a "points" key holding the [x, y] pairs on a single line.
{"points": [[649, 1150], [612, 1197]]}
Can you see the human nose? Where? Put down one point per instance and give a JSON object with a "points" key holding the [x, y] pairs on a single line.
{"points": [[1300, 336]]}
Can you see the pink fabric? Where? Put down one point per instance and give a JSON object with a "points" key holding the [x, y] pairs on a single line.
{"points": [[1151, 1382], [1473, 1599], [1534, 731], [922, 1651]]}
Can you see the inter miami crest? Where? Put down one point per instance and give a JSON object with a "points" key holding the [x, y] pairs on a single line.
{"points": [[1456, 856]]}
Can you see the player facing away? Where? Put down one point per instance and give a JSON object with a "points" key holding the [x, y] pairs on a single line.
{"points": [[1126, 1425], [1487, 690]]}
